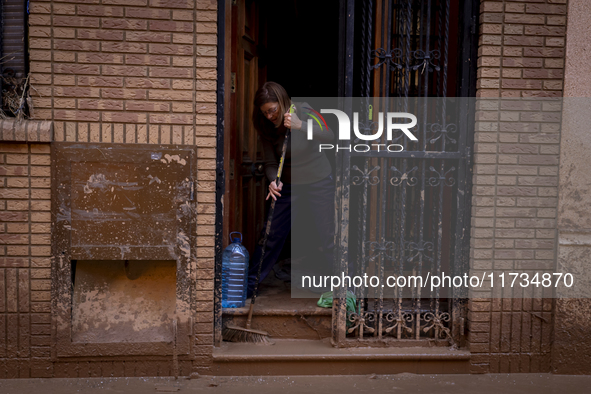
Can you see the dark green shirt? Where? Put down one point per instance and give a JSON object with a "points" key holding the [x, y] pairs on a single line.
{"points": [[304, 163]]}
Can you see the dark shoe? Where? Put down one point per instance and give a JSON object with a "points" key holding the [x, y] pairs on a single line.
{"points": [[283, 270]]}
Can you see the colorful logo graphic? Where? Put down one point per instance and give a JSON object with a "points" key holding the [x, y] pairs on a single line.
{"points": [[316, 117]]}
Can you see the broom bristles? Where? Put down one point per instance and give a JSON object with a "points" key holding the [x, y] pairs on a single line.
{"points": [[238, 334]]}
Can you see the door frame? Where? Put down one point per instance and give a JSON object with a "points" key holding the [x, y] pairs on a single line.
{"points": [[467, 69], [466, 87], [223, 112]]}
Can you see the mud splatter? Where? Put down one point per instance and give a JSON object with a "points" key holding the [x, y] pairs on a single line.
{"points": [[96, 181], [184, 244], [154, 179], [170, 158]]}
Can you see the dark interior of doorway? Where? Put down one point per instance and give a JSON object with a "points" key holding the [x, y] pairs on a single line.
{"points": [[302, 45], [301, 54]]}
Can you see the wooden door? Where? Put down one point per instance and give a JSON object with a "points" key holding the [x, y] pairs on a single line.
{"points": [[244, 203]]}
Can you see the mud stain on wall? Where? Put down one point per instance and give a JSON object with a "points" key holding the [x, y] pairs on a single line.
{"points": [[118, 302]]}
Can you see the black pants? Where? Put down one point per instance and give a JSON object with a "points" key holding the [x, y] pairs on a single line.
{"points": [[314, 205]]}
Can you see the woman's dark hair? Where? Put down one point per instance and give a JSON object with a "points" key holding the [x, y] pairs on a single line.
{"points": [[270, 92]]}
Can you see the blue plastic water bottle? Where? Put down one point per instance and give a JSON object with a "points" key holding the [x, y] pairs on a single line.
{"points": [[234, 273]]}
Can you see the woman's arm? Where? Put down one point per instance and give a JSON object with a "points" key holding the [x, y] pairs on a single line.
{"points": [[269, 160]]}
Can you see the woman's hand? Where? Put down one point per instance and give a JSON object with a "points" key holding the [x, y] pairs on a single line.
{"points": [[291, 121], [274, 190]]}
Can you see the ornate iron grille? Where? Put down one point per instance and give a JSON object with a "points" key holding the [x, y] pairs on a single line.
{"points": [[404, 214]]}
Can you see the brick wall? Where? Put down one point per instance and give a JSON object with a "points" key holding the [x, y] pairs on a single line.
{"points": [[106, 71], [25, 287], [521, 55]]}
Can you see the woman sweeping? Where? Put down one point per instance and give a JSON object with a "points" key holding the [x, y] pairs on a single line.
{"points": [[306, 187]]}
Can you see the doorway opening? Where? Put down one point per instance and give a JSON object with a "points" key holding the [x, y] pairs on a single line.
{"points": [[338, 48], [302, 55], [296, 44]]}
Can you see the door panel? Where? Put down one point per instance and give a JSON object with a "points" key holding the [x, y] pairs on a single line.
{"points": [[245, 204]]}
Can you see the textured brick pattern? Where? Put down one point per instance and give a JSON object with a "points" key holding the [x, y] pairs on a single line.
{"points": [[521, 48], [106, 71], [26, 131], [25, 287], [521, 54], [125, 71]]}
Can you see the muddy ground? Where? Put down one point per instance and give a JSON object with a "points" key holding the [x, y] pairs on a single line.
{"points": [[407, 383]]}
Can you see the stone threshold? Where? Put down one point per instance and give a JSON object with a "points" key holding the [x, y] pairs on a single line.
{"points": [[307, 350]]}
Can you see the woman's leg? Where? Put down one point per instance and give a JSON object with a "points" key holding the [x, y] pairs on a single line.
{"points": [[280, 227], [320, 203]]}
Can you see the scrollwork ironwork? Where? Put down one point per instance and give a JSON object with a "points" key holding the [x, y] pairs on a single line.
{"points": [[386, 57], [404, 177], [436, 320], [426, 60], [400, 319], [420, 248], [436, 180], [365, 177], [445, 131], [377, 249], [360, 321]]}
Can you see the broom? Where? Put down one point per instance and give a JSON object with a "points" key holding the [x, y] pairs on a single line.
{"points": [[231, 332]]}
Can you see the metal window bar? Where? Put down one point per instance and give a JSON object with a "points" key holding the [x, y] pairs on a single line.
{"points": [[417, 221], [13, 54]]}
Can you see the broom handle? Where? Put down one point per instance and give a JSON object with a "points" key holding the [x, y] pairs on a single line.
{"points": [[268, 229]]}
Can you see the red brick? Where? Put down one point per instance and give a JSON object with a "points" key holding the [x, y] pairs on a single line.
{"points": [[525, 19], [171, 49], [206, 16], [206, 5], [95, 10], [13, 239], [107, 35], [521, 84], [172, 3], [150, 60], [75, 45], [524, 41], [147, 13], [14, 170], [23, 293], [545, 9], [39, 20], [148, 83], [170, 72], [100, 104], [40, 8], [84, 116], [147, 106], [75, 21], [76, 69], [14, 193], [135, 71], [171, 118], [514, 7], [173, 26], [545, 30], [543, 73], [522, 62], [148, 36], [538, 160], [543, 52], [136, 94], [124, 47], [124, 117], [171, 95], [100, 81], [125, 24], [518, 148]]}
